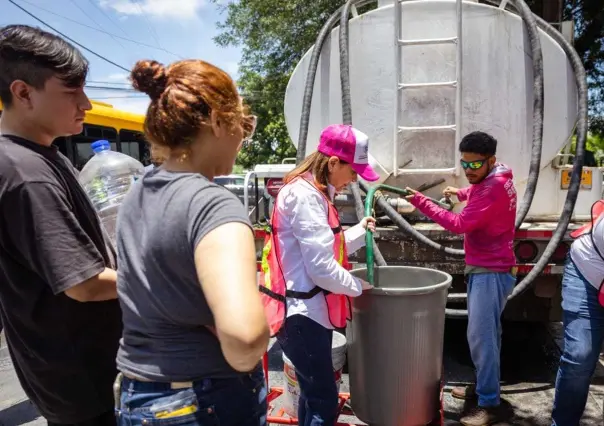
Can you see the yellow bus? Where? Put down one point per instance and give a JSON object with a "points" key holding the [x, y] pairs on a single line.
{"points": [[122, 129]]}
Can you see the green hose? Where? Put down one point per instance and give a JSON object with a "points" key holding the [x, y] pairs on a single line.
{"points": [[369, 212]]}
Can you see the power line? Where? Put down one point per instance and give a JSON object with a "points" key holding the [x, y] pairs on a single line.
{"points": [[96, 23], [252, 95], [67, 37], [109, 18], [140, 43], [109, 82], [117, 89], [153, 32], [95, 98]]}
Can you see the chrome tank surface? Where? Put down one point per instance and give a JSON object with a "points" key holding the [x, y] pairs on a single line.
{"points": [[497, 92]]}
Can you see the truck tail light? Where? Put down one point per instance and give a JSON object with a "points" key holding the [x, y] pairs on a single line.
{"points": [[526, 251], [273, 185]]}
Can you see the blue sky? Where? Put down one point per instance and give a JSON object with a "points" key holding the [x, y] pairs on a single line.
{"points": [[185, 28]]}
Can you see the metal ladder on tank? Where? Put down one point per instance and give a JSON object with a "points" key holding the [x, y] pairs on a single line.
{"points": [[402, 87]]}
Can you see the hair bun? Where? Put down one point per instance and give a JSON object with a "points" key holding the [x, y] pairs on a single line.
{"points": [[149, 77]]}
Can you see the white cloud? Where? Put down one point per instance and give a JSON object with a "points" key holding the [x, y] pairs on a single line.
{"points": [[183, 9]]}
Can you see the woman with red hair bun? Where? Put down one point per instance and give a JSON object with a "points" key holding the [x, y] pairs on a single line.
{"points": [[194, 326]]}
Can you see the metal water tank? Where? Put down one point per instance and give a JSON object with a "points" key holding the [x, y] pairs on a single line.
{"points": [[496, 88]]}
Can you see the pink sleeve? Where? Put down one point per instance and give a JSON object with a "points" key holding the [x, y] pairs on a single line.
{"points": [[462, 194], [472, 216]]}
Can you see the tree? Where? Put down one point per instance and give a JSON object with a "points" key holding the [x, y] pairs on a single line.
{"points": [[589, 44], [274, 34], [588, 16]]}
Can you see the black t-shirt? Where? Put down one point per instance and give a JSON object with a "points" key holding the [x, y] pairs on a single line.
{"points": [[51, 240]]}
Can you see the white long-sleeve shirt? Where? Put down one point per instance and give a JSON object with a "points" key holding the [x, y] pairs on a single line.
{"points": [[306, 245]]}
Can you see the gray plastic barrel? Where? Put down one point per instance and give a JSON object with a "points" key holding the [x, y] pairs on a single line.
{"points": [[395, 346]]}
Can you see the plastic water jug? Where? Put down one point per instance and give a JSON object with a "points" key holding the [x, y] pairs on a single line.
{"points": [[107, 178]]}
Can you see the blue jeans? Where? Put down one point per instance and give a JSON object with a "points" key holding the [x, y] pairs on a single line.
{"points": [[308, 346], [210, 402], [583, 336], [487, 297]]}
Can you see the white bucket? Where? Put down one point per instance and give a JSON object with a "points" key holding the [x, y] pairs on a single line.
{"points": [[291, 392]]}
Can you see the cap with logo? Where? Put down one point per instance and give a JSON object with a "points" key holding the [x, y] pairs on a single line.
{"points": [[349, 145]]}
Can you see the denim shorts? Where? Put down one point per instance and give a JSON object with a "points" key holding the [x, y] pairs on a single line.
{"points": [[209, 402]]}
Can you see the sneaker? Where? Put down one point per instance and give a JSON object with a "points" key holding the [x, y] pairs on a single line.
{"points": [[481, 416], [464, 392]]}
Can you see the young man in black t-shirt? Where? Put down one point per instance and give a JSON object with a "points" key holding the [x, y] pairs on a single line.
{"points": [[55, 260]]}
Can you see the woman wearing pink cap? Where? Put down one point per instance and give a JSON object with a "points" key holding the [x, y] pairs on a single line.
{"points": [[305, 281]]}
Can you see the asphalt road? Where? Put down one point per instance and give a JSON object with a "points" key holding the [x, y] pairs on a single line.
{"points": [[529, 362]]}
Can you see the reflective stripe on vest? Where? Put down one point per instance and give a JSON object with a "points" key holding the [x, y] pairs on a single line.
{"points": [[273, 286]]}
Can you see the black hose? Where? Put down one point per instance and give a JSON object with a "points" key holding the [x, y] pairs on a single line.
{"points": [[307, 103], [347, 119], [575, 176], [408, 228], [347, 113], [530, 21], [575, 179], [345, 64], [310, 84], [535, 166]]}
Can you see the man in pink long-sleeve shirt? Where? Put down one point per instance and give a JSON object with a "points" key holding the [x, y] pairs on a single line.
{"points": [[487, 223]]}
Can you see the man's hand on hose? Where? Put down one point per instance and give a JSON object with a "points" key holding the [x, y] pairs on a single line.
{"points": [[450, 190], [368, 223], [411, 192]]}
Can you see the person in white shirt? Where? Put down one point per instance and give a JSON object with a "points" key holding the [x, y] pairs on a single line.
{"points": [[306, 281], [583, 316]]}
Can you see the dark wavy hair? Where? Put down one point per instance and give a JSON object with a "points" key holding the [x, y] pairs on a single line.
{"points": [[34, 56], [479, 143]]}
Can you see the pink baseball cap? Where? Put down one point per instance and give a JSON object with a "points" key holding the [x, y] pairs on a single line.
{"points": [[349, 145]]}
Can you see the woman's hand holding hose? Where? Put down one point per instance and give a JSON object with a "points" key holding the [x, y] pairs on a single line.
{"points": [[368, 223]]}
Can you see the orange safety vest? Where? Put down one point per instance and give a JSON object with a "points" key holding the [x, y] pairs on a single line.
{"points": [[273, 286], [597, 211]]}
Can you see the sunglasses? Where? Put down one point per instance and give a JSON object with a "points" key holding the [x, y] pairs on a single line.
{"points": [[248, 124], [473, 165]]}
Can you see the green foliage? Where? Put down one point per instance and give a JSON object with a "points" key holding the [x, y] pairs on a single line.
{"points": [[238, 169], [595, 144], [265, 95], [588, 16], [274, 34]]}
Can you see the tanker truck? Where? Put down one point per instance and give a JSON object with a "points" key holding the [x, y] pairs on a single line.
{"points": [[416, 76]]}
